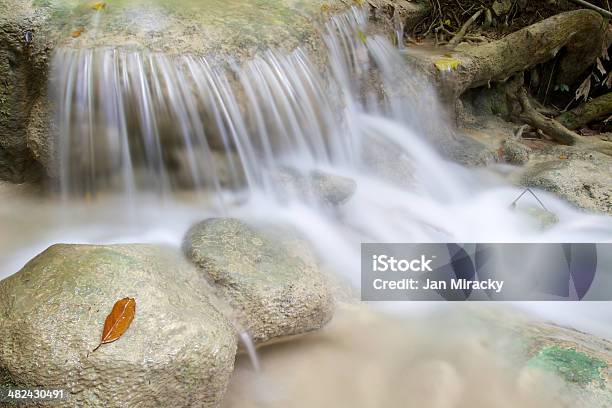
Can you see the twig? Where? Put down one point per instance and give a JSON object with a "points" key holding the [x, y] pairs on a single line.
{"points": [[461, 33], [601, 11], [513, 205]]}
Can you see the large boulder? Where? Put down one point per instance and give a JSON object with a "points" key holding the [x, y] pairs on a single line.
{"points": [[582, 177], [179, 350], [268, 275]]}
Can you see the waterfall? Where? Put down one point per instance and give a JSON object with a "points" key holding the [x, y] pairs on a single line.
{"points": [[136, 122]]}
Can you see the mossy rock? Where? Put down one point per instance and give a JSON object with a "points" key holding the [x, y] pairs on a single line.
{"points": [[573, 366]]}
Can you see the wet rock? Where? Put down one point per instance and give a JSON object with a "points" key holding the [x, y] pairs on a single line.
{"points": [[269, 276], [545, 218], [24, 53], [332, 188], [223, 168], [324, 187], [583, 178], [388, 161], [515, 152], [580, 360], [179, 350], [467, 151], [573, 366]]}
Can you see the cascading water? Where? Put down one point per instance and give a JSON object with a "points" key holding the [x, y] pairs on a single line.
{"points": [[128, 119], [144, 126]]}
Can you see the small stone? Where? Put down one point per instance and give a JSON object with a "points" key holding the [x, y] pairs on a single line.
{"points": [[515, 152]]}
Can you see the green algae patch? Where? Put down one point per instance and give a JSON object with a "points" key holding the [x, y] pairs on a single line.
{"points": [[573, 366]]}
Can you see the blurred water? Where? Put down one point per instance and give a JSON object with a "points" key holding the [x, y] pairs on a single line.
{"points": [[128, 119]]}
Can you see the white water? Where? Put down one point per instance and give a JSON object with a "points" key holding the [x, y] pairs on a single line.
{"points": [[126, 118]]}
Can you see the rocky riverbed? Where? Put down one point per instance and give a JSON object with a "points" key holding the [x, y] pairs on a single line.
{"points": [[224, 180]]}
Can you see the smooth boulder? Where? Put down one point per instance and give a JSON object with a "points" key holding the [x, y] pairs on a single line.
{"points": [[323, 187], [178, 352], [268, 275]]}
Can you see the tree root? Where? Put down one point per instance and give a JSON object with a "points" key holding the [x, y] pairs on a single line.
{"points": [[580, 33], [596, 109], [529, 115], [461, 33]]}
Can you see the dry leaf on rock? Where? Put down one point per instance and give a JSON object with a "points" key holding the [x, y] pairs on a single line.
{"points": [[118, 321]]}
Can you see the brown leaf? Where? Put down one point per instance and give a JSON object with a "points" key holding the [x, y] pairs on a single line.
{"points": [[584, 89], [118, 321], [77, 33]]}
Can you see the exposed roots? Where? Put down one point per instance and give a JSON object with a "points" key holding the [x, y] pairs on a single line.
{"points": [[598, 108], [575, 37], [551, 127]]}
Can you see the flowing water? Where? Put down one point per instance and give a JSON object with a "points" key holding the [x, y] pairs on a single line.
{"points": [[150, 143]]}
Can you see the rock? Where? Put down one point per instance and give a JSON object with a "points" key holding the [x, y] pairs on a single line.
{"points": [[573, 366], [580, 360], [515, 152], [332, 188], [325, 187], [545, 218], [30, 32], [226, 166], [388, 161], [465, 150], [583, 178], [268, 275], [24, 54], [179, 351]]}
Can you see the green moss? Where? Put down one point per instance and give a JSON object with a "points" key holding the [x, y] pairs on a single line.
{"points": [[571, 365]]}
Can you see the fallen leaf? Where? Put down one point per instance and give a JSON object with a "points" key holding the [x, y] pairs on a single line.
{"points": [[118, 321], [98, 5], [325, 8], [447, 63], [77, 33], [563, 157], [584, 89]]}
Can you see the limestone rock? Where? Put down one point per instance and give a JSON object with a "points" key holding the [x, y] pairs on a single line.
{"points": [[268, 275], [324, 187], [179, 351], [514, 152], [581, 177], [24, 54]]}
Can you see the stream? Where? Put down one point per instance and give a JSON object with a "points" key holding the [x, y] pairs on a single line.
{"points": [[151, 143]]}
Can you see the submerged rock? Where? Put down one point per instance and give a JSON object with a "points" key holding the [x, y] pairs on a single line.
{"points": [[543, 217], [269, 276], [581, 177], [332, 188], [179, 350], [324, 187], [214, 168]]}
